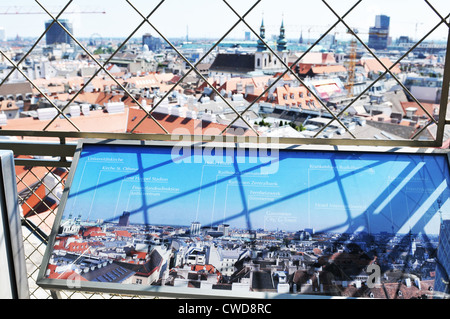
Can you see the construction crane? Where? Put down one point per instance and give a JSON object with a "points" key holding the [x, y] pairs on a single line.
{"points": [[10, 10], [352, 59], [351, 65]]}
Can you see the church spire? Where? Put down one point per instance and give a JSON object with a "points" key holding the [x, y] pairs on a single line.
{"points": [[262, 33], [281, 42]]}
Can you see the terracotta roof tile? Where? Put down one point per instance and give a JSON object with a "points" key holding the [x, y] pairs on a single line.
{"points": [[176, 125], [96, 121], [372, 65], [430, 107], [328, 69]]}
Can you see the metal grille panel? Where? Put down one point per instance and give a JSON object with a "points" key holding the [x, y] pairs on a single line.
{"points": [[39, 183]]}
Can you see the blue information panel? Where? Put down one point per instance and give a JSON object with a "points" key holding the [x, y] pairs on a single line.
{"points": [[251, 222]]}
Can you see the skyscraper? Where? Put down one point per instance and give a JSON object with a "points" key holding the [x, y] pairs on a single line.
{"points": [[441, 282], [2, 34], [382, 21], [153, 43], [224, 228], [124, 220], [195, 228], [379, 34], [56, 34]]}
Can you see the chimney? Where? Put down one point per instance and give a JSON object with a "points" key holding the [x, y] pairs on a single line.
{"points": [[47, 113], [408, 282], [85, 108], [249, 89], [417, 283], [410, 111], [115, 107]]}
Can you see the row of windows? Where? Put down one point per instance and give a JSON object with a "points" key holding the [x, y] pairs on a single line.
{"points": [[18, 97], [258, 61], [300, 94]]}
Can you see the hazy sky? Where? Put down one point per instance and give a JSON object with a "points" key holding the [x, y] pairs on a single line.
{"points": [[212, 18], [288, 190]]}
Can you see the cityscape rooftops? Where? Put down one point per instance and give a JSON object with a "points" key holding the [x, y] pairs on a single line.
{"points": [[180, 125], [96, 121]]}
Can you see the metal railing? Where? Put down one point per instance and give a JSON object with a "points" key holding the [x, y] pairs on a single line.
{"points": [[335, 116], [34, 164], [37, 222]]}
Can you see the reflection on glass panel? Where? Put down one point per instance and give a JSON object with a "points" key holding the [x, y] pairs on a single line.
{"points": [[251, 220]]}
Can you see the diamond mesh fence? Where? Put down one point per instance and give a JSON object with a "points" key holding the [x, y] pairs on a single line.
{"points": [[155, 88], [39, 192], [147, 93]]}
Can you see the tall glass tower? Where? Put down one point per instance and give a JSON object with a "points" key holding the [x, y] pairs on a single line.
{"points": [[441, 283], [379, 34], [56, 34]]}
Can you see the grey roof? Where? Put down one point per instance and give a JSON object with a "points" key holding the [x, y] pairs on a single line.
{"points": [[16, 88], [383, 130], [110, 273], [262, 280], [238, 63], [155, 260]]}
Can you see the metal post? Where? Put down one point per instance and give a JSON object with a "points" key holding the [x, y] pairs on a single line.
{"points": [[13, 275]]}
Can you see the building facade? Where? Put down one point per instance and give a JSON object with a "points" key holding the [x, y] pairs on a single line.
{"points": [[379, 34], [124, 220], [195, 228], [265, 60], [153, 43], [56, 34], [441, 283]]}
